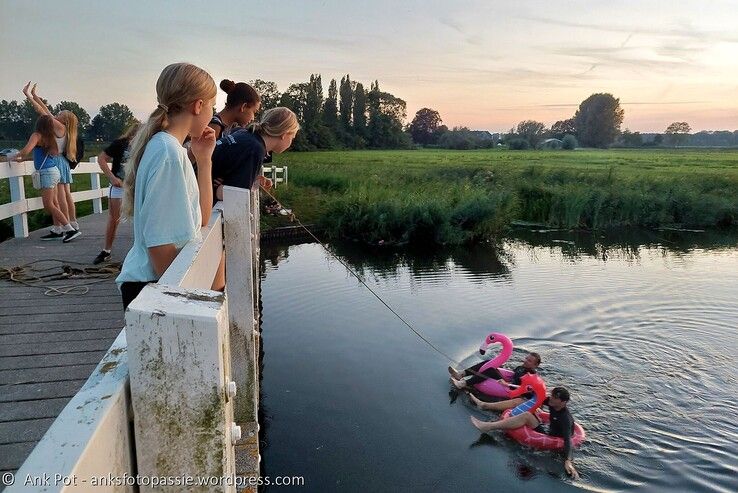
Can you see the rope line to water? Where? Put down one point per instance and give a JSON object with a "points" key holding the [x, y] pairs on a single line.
{"points": [[357, 276], [26, 274]]}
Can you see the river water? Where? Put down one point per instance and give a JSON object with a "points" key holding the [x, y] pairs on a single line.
{"points": [[641, 327]]}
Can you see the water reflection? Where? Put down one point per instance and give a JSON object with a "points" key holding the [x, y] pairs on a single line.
{"points": [[642, 327]]}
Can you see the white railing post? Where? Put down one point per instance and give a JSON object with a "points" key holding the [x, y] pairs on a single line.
{"points": [[239, 280], [256, 255], [18, 192], [240, 289], [274, 175], [181, 387], [285, 174], [95, 185]]}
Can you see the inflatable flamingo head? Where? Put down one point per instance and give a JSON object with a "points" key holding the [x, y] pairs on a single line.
{"points": [[495, 338], [530, 382]]}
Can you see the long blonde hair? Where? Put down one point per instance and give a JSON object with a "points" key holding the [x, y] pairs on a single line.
{"points": [[179, 84], [276, 122], [69, 120]]}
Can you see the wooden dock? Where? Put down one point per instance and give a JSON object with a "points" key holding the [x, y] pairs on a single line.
{"points": [[49, 345]]}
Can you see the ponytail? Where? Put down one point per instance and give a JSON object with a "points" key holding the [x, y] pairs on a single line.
{"points": [[157, 122], [179, 84], [276, 122]]}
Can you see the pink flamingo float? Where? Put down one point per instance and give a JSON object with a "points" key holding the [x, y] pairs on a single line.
{"points": [[491, 386]]}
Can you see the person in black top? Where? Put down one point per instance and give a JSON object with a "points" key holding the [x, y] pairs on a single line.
{"points": [[530, 363], [118, 152], [238, 157], [242, 104], [561, 424]]}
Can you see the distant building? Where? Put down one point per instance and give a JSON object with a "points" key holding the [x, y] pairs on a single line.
{"points": [[551, 144]]}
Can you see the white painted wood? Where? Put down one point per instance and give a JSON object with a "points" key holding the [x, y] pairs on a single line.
{"points": [[274, 172], [178, 349], [256, 251], [14, 208], [12, 168], [240, 277], [19, 205], [91, 436], [17, 194], [95, 185], [197, 262], [90, 167]]}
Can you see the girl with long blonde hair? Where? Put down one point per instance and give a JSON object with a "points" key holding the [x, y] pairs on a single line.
{"points": [[65, 133], [43, 145], [167, 202]]}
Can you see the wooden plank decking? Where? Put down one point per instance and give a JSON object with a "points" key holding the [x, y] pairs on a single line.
{"points": [[50, 345]]}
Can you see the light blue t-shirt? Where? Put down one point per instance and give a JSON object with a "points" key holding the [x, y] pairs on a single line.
{"points": [[166, 205]]}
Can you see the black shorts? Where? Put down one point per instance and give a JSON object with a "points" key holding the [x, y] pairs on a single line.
{"points": [[541, 428], [129, 291]]}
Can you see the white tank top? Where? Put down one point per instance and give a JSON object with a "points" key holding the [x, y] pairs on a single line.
{"points": [[61, 144]]}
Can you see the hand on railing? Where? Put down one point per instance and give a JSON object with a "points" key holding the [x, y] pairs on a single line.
{"points": [[264, 182]]}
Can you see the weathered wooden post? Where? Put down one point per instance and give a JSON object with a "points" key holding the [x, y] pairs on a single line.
{"points": [[181, 390], [18, 192], [95, 185], [240, 285]]}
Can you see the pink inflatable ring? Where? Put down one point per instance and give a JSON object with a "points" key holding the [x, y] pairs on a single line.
{"points": [[541, 441]]}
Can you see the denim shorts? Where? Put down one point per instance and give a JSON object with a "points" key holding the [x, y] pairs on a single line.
{"points": [[49, 177], [115, 192], [64, 170]]}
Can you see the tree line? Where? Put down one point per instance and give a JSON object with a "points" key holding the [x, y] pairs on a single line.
{"points": [[349, 117], [17, 120], [353, 117]]}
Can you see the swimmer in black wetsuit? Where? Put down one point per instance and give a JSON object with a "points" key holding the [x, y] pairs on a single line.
{"points": [[561, 424], [530, 363]]}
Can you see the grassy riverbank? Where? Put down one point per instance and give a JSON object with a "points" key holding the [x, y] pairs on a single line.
{"points": [[454, 196], [450, 197]]}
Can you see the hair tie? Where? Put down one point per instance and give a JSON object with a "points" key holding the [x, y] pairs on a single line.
{"points": [[163, 107]]}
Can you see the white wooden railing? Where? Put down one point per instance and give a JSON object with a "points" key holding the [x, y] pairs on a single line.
{"points": [[19, 206], [184, 372], [278, 174]]}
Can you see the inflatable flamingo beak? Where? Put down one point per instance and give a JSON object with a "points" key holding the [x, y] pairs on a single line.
{"points": [[482, 351]]}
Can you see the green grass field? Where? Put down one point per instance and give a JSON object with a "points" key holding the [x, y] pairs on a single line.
{"points": [[451, 197]]}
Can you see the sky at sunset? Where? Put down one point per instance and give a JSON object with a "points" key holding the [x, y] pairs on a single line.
{"points": [[482, 64]]}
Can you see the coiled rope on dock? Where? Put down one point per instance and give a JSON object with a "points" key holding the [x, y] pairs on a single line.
{"points": [[29, 274]]}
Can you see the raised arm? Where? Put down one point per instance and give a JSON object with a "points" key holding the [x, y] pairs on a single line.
{"points": [[36, 102], [42, 109], [202, 148]]}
